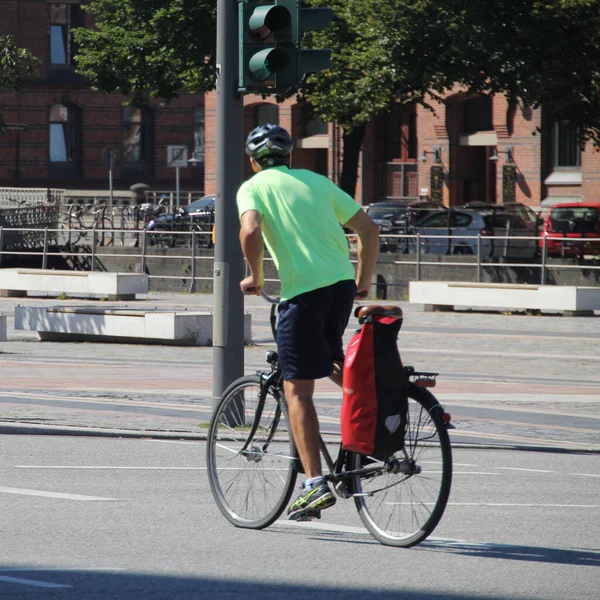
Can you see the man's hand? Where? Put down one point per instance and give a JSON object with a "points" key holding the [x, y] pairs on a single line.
{"points": [[251, 286], [362, 293]]}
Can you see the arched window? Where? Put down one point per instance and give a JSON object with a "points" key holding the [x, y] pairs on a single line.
{"points": [[133, 134], [63, 134], [267, 113], [63, 18]]}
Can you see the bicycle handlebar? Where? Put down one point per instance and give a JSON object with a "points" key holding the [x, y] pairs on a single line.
{"points": [[270, 299]]}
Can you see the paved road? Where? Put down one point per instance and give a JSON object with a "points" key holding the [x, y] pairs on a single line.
{"points": [[112, 518], [507, 379]]}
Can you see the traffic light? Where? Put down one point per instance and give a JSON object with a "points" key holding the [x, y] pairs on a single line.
{"points": [[271, 60]]}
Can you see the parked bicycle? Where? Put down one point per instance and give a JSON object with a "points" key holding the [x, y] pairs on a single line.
{"points": [[253, 465], [82, 220]]}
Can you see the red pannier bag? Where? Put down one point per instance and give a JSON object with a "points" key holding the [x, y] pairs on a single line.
{"points": [[373, 413]]}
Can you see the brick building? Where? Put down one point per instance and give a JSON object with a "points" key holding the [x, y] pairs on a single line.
{"points": [[466, 150], [59, 127]]}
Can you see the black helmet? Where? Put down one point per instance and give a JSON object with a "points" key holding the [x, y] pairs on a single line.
{"points": [[269, 144]]}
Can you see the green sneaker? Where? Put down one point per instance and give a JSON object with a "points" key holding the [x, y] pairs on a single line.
{"points": [[310, 501]]}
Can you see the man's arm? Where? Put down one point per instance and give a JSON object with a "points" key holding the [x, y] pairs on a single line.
{"points": [[368, 250], [253, 248]]}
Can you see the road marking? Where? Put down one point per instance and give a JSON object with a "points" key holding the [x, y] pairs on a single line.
{"points": [[522, 505], [24, 492], [586, 474], [43, 584], [527, 470], [106, 467]]}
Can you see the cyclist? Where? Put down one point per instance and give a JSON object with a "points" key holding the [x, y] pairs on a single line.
{"points": [[298, 215]]}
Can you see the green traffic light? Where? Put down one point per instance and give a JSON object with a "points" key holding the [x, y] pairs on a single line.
{"points": [[268, 61]]}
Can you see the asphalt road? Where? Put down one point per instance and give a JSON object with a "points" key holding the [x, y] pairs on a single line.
{"points": [[93, 518]]}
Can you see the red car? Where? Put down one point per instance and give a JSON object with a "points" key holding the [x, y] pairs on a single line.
{"points": [[575, 223]]}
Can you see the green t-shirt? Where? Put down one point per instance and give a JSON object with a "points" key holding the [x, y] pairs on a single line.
{"points": [[302, 213]]}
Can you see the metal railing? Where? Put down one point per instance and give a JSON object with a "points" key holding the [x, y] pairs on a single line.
{"points": [[143, 241]]}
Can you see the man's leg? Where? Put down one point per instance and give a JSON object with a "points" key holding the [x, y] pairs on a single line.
{"points": [[304, 423]]}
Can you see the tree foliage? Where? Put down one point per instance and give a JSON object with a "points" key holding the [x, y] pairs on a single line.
{"points": [[15, 62], [384, 52], [149, 48]]}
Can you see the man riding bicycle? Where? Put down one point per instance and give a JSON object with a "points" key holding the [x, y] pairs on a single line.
{"points": [[299, 215]]}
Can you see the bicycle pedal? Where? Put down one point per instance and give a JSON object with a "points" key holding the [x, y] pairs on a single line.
{"points": [[306, 516]]}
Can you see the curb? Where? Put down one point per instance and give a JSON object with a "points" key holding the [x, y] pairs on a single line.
{"points": [[70, 430]]}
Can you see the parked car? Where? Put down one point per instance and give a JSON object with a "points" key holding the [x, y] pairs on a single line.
{"points": [[198, 216], [394, 218], [531, 218], [575, 223], [455, 232]]}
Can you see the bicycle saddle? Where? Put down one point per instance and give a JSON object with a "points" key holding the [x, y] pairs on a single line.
{"points": [[362, 312]]}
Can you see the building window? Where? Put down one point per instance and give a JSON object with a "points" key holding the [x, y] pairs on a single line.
{"points": [[478, 114], [133, 134], [63, 134], [267, 113], [199, 133], [63, 17], [315, 126], [566, 149]]}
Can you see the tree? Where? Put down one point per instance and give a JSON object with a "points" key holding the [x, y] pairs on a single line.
{"points": [[149, 48], [14, 63]]}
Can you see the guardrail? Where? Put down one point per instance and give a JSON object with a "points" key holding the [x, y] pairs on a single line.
{"points": [[145, 240]]}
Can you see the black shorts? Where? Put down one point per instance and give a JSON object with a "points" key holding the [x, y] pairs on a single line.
{"points": [[310, 330]]}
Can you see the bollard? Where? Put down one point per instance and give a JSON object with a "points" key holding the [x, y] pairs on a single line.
{"points": [[478, 258]]}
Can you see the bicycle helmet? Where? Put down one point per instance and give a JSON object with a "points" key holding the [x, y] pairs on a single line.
{"points": [[269, 144]]}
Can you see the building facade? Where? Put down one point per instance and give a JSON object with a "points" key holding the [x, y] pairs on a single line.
{"points": [[60, 129], [469, 148]]}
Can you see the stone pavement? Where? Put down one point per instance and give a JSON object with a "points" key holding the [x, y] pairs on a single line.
{"points": [[505, 378]]}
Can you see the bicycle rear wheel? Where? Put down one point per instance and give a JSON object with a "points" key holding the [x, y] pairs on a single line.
{"points": [[402, 507], [251, 479]]}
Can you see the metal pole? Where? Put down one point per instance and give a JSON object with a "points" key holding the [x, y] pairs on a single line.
{"points": [[418, 257], [1, 242], [45, 252], [144, 250], [478, 258], [544, 259], [94, 248], [228, 313], [110, 179], [177, 187], [193, 282]]}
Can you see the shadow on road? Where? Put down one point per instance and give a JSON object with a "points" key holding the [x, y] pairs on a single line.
{"points": [[54, 583], [559, 556]]}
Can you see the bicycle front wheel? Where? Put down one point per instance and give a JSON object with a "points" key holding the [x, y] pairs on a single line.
{"points": [[250, 454], [401, 507]]}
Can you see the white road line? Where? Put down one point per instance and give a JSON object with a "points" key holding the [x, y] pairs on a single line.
{"points": [[43, 584], [527, 470], [523, 505], [84, 467], [586, 474], [24, 492]]}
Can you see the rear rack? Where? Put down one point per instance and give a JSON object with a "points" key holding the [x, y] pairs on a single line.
{"points": [[424, 379]]}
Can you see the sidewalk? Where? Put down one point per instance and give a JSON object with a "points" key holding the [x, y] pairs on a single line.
{"points": [[533, 380]]}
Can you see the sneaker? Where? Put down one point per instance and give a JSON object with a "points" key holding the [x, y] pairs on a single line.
{"points": [[310, 501]]}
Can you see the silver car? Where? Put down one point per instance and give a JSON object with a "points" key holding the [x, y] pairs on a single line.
{"points": [[456, 231]]}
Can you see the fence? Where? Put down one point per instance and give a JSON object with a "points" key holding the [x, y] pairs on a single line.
{"points": [[18, 197], [190, 241]]}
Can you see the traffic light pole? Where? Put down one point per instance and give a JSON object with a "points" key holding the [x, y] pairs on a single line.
{"points": [[228, 307]]}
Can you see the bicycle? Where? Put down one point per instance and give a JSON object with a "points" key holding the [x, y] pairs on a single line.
{"points": [[253, 464], [76, 224]]}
